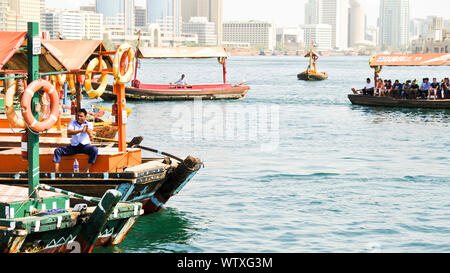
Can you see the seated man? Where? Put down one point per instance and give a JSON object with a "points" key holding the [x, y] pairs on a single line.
{"points": [[405, 90], [181, 81], [397, 89], [413, 90], [424, 87], [369, 88], [434, 87], [81, 132]]}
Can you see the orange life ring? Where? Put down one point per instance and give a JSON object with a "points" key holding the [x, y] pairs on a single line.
{"points": [[27, 113], [71, 83], [13, 119], [221, 60], [95, 93], [119, 64]]}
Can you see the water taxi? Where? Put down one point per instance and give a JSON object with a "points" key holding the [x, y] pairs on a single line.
{"points": [[398, 60], [311, 73], [135, 184], [167, 92]]}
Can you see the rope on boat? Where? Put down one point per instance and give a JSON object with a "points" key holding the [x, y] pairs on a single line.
{"points": [[72, 194]]}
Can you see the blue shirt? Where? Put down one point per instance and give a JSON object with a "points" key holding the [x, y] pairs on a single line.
{"points": [[425, 86], [81, 138]]}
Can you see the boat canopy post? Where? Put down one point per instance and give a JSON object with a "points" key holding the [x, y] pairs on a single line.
{"points": [[224, 71], [33, 138], [119, 91]]}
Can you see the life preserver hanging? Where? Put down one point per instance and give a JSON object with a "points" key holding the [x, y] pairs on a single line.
{"points": [[120, 74], [13, 119], [221, 60], [371, 59], [378, 69], [71, 83], [61, 79], [95, 93], [27, 113]]}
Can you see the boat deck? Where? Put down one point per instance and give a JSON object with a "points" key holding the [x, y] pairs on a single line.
{"points": [[108, 160], [14, 194]]}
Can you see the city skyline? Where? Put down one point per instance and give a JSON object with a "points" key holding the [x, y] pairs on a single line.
{"points": [[292, 16]]}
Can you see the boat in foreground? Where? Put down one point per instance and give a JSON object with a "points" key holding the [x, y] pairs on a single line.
{"points": [[398, 60], [168, 92]]}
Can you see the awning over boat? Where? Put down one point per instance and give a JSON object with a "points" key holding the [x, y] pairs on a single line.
{"points": [[181, 52], [75, 55], [10, 43], [312, 53], [434, 59], [14, 55]]}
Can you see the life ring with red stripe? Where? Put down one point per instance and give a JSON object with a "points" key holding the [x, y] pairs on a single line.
{"points": [[27, 113], [122, 72]]}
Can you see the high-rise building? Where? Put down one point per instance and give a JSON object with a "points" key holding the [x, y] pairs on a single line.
{"points": [[211, 9], [357, 25], [73, 24], [140, 17], [330, 12], [256, 33], [114, 8], [204, 30], [109, 8], [394, 23], [166, 13], [159, 9], [318, 34], [16, 13]]}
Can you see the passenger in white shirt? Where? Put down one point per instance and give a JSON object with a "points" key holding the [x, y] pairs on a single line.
{"points": [[181, 81], [369, 88], [81, 132]]}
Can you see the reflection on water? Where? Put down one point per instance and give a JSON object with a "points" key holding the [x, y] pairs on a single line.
{"points": [[168, 230], [440, 117]]}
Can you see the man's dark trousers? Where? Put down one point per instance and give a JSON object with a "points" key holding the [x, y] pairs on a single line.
{"points": [[88, 149]]}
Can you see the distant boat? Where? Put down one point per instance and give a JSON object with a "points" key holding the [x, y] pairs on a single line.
{"points": [[311, 73]]}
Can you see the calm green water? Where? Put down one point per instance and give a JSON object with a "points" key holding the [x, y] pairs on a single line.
{"points": [[298, 169]]}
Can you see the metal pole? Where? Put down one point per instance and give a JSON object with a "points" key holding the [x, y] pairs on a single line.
{"points": [[119, 90], [33, 139]]}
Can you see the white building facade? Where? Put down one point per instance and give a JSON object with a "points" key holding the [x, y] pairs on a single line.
{"points": [[258, 34], [205, 30], [330, 12], [394, 23], [73, 25], [320, 35]]}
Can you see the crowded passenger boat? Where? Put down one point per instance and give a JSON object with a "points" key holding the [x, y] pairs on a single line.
{"points": [[411, 93]]}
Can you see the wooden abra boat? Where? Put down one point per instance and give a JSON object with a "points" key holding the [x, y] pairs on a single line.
{"points": [[311, 73], [377, 62], [367, 100], [154, 92], [167, 92], [121, 172], [31, 219]]}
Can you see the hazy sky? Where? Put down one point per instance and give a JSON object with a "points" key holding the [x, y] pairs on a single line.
{"points": [[288, 12]]}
